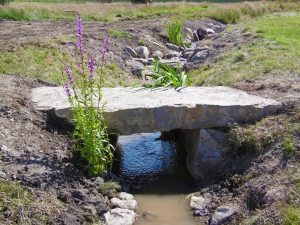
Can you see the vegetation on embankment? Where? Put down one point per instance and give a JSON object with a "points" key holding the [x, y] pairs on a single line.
{"points": [[226, 12], [274, 52]]}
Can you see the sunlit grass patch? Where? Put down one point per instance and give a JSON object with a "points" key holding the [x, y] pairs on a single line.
{"points": [[275, 53]]}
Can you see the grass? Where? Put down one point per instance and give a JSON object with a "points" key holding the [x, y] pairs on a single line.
{"points": [[227, 12], [174, 29], [19, 206], [114, 32], [276, 53], [45, 63]]}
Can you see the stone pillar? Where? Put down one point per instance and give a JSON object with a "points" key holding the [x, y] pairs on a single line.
{"points": [[207, 150]]}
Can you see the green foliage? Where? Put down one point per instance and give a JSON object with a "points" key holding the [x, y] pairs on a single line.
{"points": [[119, 33], [227, 16], [174, 29], [84, 91], [167, 76], [288, 146], [109, 185], [292, 215]]}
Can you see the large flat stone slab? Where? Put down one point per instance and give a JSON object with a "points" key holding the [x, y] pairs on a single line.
{"points": [[137, 110]]}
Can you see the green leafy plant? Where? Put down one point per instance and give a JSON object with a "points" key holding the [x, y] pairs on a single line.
{"points": [[166, 76], [84, 91], [288, 146], [174, 35]]}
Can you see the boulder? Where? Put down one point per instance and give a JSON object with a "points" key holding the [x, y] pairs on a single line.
{"points": [[125, 196], [198, 202], [222, 214], [142, 52], [124, 203], [135, 66], [206, 151], [140, 110], [198, 57], [130, 51], [201, 32], [119, 216]]}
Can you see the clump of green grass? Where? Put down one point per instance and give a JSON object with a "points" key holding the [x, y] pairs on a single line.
{"points": [[288, 146], [174, 35], [252, 139], [167, 76], [114, 32], [109, 185], [227, 16]]}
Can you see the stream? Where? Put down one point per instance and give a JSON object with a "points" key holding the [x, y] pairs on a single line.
{"points": [[154, 171]]}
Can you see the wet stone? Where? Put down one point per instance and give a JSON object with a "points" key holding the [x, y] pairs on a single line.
{"points": [[222, 214], [119, 216]]}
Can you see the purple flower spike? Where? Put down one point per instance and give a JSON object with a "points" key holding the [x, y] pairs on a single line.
{"points": [[79, 35], [67, 89], [91, 67], [69, 73], [105, 47]]}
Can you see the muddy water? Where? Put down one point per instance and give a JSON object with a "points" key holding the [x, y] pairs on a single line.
{"points": [[155, 172]]}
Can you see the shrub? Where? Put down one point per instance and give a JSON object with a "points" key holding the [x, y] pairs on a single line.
{"points": [[174, 29], [84, 93], [167, 76]]}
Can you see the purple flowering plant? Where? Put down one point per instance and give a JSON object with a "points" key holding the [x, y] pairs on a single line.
{"points": [[84, 91]]}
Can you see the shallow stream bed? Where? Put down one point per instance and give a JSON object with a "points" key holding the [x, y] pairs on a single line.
{"points": [[154, 170]]}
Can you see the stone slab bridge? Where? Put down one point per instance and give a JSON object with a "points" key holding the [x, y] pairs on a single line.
{"points": [[198, 111]]}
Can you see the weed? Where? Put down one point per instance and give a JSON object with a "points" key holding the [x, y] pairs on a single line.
{"points": [[288, 146], [239, 58], [109, 185], [119, 33], [166, 76], [84, 92], [174, 29]]}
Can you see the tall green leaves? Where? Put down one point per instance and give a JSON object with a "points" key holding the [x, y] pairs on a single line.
{"points": [[167, 76], [174, 29]]}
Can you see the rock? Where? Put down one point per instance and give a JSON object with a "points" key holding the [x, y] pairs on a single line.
{"points": [[99, 181], [130, 51], [187, 53], [125, 196], [69, 219], [222, 214], [2, 175], [275, 194], [201, 33], [172, 54], [119, 216], [136, 67], [188, 31], [158, 54], [210, 31], [147, 61], [206, 151], [64, 196], [172, 47], [79, 194], [124, 204], [198, 202], [198, 57], [196, 212], [195, 36], [90, 209], [166, 109], [142, 52]]}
